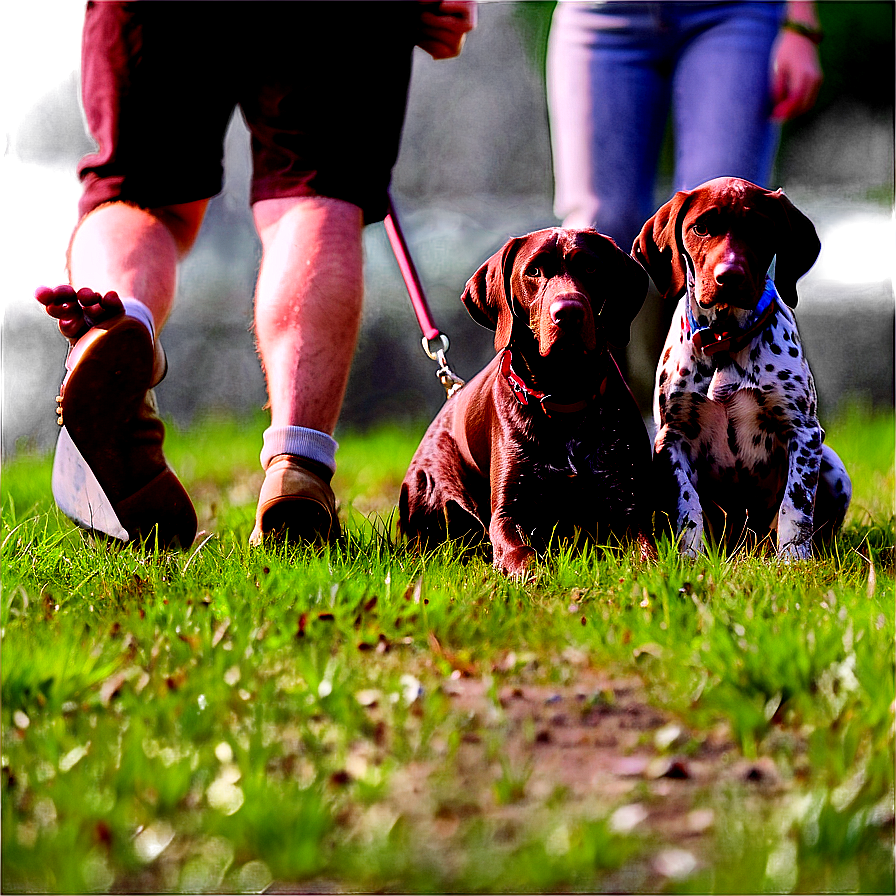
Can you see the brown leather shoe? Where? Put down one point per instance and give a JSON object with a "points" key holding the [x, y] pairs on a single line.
{"points": [[109, 473], [295, 505]]}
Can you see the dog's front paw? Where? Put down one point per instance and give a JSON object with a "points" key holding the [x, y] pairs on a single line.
{"points": [[794, 535], [690, 538], [515, 562], [796, 550]]}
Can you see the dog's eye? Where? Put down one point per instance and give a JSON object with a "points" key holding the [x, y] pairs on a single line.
{"points": [[700, 229], [533, 271]]}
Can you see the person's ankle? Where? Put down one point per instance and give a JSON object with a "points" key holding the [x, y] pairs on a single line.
{"points": [[136, 309], [312, 449], [322, 471]]}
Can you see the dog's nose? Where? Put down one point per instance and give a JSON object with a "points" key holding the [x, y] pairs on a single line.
{"points": [[728, 273], [567, 312]]}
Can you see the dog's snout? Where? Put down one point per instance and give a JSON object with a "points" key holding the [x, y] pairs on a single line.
{"points": [[729, 273], [567, 312]]}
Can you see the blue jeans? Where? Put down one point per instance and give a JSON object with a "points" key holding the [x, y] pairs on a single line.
{"points": [[617, 69]]}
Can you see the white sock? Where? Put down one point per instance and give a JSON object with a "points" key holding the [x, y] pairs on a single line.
{"points": [[132, 308], [299, 440], [136, 309]]}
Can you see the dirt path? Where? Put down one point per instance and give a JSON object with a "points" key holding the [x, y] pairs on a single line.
{"points": [[529, 754]]}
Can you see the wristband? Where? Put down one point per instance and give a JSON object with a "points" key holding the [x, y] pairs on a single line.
{"points": [[811, 32]]}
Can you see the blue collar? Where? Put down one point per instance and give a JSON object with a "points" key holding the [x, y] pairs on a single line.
{"points": [[710, 342]]}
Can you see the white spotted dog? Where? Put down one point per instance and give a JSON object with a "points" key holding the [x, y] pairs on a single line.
{"points": [[738, 446]]}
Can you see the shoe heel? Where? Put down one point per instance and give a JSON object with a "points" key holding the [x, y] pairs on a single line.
{"points": [[161, 509], [295, 520], [162, 505]]}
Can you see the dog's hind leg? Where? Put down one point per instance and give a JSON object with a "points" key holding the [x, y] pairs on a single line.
{"points": [[831, 499]]}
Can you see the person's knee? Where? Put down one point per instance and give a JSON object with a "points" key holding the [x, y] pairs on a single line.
{"points": [[183, 221], [318, 212]]}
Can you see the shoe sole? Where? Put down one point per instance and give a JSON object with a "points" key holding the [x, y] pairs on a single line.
{"points": [[78, 494], [119, 370]]}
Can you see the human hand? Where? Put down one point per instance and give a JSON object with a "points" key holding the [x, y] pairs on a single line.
{"points": [[444, 26], [796, 75]]}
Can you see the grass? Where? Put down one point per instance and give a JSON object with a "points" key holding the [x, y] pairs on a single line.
{"points": [[233, 720]]}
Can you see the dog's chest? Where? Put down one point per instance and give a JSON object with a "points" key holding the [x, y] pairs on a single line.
{"points": [[737, 419], [572, 476], [592, 465], [736, 432]]}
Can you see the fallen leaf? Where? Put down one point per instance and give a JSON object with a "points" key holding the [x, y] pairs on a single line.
{"points": [[411, 688], [631, 766], [649, 649], [219, 632], [662, 767], [192, 640], [667, 735], [675, 863], [700, 820], [152, 841], [414, 592], [626, 818], [113, 684], [73, 757], [224, 795]]}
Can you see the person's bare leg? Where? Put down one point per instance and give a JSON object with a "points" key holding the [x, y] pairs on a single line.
{"points": [[121, 250], [109, 474], [135, 252], [307, 315], [308, 306]]}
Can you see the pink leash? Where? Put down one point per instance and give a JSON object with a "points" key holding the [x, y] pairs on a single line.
{"points": [[431, 333]]}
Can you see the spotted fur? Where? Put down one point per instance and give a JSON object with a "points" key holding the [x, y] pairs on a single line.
{"points": [[738, 438]]}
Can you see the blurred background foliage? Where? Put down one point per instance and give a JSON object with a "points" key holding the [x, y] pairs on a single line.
{"points": [[479, 124], [842, 148], [858, 64], [474, 168]]}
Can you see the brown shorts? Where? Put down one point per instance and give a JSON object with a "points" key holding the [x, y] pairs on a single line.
{"points": [[322, 86]]}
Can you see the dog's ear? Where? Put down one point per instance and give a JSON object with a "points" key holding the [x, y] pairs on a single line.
{"points": [[658, 247], [796, 243], [622, 285], [487, 293]]}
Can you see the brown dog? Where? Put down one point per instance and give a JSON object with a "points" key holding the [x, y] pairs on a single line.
{"points": [[547, 440], [738, 445]]}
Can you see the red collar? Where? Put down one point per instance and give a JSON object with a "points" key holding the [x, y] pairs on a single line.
{"points": [[526, 395]]}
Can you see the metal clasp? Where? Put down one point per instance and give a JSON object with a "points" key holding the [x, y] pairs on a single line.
{"points": [[450, 381]]}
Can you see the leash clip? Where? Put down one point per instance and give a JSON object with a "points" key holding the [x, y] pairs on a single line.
{"points": [[446, 376], [450, 381]]}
